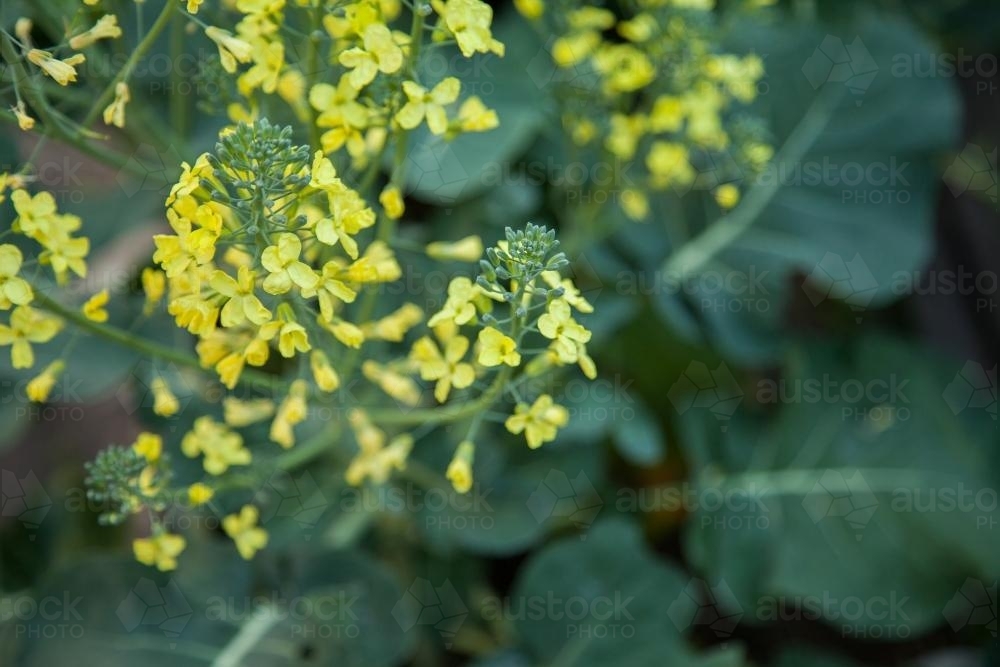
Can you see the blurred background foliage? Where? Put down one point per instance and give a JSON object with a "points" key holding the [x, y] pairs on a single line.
{"points": [[681, 403]]}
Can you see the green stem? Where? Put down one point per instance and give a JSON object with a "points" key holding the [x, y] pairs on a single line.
{"points": [[162, 21], [179, 106], [312, 67], [144, 346], [702, 249]]}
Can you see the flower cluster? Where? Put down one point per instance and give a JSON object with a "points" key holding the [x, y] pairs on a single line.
{"points": [[654, 87], [377, 91]]}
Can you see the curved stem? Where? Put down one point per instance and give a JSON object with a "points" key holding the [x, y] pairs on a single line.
{"points": [[702, 249]]}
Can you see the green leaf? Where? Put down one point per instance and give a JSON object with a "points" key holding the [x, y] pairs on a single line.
{"points": [[598, 601], [640, 440], [864, 463]]}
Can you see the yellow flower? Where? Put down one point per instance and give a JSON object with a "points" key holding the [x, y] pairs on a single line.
{"points": [[571, 294], [105, 28], [530, 9], [24, 121], [574, 48], [448, 369], [380, 54], [114, 114], [149, 446], [640, 28], [460, 468], [199, 494], [375, 460], [154, 284], [27, 326], [392, 202], [625, 68], [667, 114], [190, 178], [94, 309], [63, 252], [398, 386], [347, 333], [539, 422], [495, 348], [37, 215], [323, 373], [265, 73], [393, 327], [193, 5], [220, 446], [668, 163], [635, 204], [468, 249], [41, 386], [161, 550], [63, 71], [282, 261], [165, 403], [626, 131], [239, 413], [188, 247], [231, 49], [422, 103], [349, 214], [469, 21], [460, 306], [331, 290], [474, 116], [292, 338], [377, 265], [727, 196], [13, 290], [242, 303], [559, 326], [342, 113], [242, 528], [293, 410]]}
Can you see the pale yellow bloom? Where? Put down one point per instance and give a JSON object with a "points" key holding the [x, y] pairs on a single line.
{"points": [[114, 113], [149, 446], [539, 422], [94, 308], [199, 494], [63, 71], [495, 348], [165, 403], [24, 121], [243, 529], [231, 49], [392, 202], [161, 550], [105, 28], [468, 249], [40, 387], [460, 469]]}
